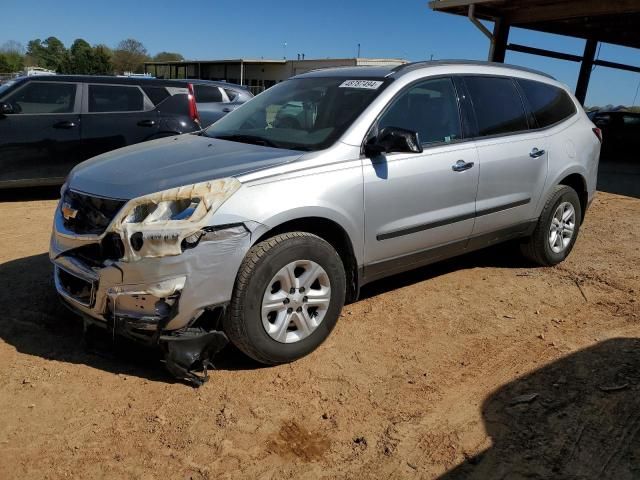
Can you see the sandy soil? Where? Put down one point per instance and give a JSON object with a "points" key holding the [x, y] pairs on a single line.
{"points": [[479, 367]]}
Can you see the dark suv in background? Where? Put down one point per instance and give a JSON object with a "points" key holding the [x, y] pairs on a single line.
{"points": [[48, 124], [621, 131]]}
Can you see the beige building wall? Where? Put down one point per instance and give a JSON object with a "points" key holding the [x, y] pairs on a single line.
{"points": [[258, 74]]}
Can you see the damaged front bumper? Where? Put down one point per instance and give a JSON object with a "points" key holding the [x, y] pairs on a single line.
{"points": [[174, 301]]}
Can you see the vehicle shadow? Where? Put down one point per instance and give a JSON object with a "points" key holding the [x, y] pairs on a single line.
{"points": [[504, 255], [29, 194], [577, 418], [36, 323]]}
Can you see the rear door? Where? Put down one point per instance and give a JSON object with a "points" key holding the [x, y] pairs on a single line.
{"points": [[416, 202], [40, 142], [115, 116], [513, 159]]}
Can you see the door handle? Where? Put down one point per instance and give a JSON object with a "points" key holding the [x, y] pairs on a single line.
{"points": [[226, 110], [65, 124], [461, 166], [535, 153], [146, 123]]}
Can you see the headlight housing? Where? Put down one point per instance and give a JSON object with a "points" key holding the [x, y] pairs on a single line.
{"points": [[155, 225]]}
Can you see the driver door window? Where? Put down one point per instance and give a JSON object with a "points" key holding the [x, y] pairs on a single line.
{"points": [[430, 109], [44, 97]]}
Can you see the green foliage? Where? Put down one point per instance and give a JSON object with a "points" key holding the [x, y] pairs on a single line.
{"points": [[83, 59], [80, 58], [167, 57], [129, 56], [50, 53], [11, 57], [102, 60]]}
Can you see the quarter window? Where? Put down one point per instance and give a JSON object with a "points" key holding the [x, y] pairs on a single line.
{"points": [[115, 98], [232, 94], [430, 109], [156, 94], [549, 104], [205, 94], [44, 97], [497, 105]]}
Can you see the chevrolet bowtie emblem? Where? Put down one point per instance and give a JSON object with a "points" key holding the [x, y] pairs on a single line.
{"points": [[68, 212]]}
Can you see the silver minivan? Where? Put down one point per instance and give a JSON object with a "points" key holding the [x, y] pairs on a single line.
{"points": [[259, 228]]}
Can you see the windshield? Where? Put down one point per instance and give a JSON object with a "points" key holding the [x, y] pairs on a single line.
{"points": [[299, 114]]}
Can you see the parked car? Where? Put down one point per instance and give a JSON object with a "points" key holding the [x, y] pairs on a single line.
{"points": [[49, 124], [216, 99], [621, 131], [263, 231]]}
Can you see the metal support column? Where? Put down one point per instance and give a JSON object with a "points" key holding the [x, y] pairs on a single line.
{"points": [[585, 70], [499, 43]]}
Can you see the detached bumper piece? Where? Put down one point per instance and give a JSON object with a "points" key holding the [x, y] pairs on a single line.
{"points": [[187, 355]]}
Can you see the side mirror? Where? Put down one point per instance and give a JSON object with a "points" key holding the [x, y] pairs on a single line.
{"points": [[6, 109], [394, 139]]}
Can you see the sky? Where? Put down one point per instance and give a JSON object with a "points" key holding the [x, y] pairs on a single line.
{"points": [[254, 29]]}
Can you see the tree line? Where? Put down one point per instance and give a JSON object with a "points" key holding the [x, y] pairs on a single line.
{"points": [[80, 58]]}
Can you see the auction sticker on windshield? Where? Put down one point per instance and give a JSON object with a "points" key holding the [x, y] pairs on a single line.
{"points": [[366, 84]]}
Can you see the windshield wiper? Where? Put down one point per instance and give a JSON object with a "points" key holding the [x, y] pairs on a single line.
{"points": [[253, 139]]}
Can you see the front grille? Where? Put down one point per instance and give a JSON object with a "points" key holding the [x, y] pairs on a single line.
{"points": [[84, 214], [95, 254]]}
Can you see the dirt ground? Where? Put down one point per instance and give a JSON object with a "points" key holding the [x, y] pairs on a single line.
{"points": [[478, 367]]}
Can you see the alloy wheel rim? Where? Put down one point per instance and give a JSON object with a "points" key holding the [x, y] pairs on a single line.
{"points": [[562, 227], [295, 301]]}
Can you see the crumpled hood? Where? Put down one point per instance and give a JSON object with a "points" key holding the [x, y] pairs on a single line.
{"points": [[171, 162]]}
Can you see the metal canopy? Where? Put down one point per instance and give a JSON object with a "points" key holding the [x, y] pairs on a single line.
{"points": [[610, 21]]}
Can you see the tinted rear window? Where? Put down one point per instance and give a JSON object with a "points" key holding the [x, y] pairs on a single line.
{"points": [[549, 104], [497, 105], [115, 98], [206, 94], [156, 94], [232, 94]]}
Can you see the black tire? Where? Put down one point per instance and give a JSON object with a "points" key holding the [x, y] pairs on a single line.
{"points": [[243, 324], [536, 247]]}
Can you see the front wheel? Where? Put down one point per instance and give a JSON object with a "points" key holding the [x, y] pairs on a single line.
{"points": [[287, 298], [557, 228]]}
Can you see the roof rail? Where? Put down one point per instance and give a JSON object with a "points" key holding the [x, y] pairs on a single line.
{"points": [[407, 67]]}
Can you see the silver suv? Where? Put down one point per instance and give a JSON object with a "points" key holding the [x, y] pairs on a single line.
{"points": [[263, 225]]}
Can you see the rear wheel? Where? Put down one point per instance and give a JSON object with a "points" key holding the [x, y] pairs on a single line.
{"points": [[557, 228], [287, 297]]}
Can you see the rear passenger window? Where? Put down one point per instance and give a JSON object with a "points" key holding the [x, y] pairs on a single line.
{"points": [[115, 98], [497, 105], [205, 94], [430, 108], [549, 104]]}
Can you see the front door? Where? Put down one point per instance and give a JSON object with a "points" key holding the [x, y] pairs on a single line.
{"points": [[40, 141], [420, 206]]}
